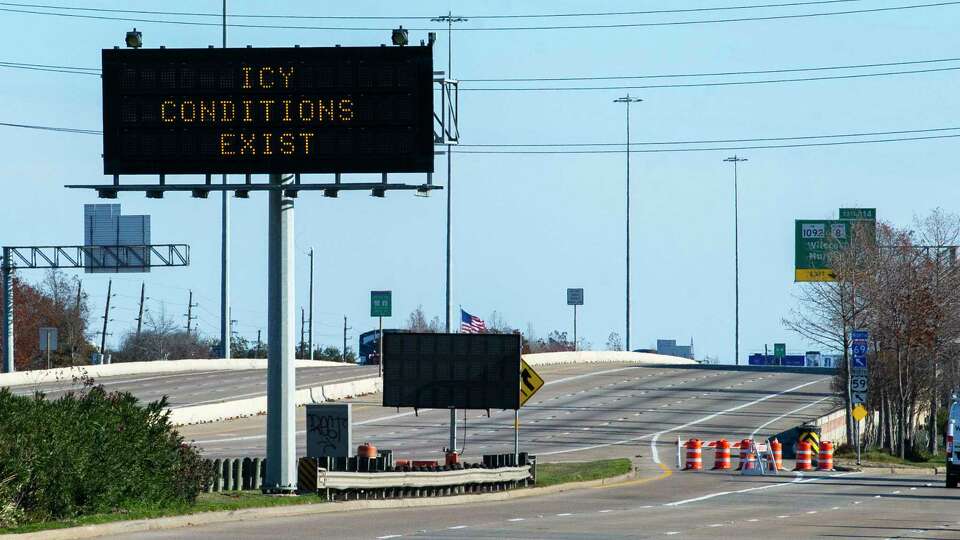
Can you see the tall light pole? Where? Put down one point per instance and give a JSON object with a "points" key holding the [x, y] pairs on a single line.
{"points": [[628, 100], [736, 262], [225, 329], [449, 18]]}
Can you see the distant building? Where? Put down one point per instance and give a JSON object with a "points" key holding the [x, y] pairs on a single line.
{"points": [[670, 347]]}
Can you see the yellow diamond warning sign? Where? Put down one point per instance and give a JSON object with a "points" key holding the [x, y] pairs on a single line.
{"points": [[530, 382], [859, 412]]}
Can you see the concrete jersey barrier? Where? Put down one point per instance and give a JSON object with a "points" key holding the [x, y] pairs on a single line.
{"points": [[39, 376], [596, 357]]}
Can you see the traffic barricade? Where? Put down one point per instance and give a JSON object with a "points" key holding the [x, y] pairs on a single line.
{"points": [[694, 455], [825, 463], [721, 456], [744, 452], [775, 458], [804, 457]]}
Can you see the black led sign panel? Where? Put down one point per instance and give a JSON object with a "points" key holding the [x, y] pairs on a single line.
{"points": [[274, 110], [463, 371]]}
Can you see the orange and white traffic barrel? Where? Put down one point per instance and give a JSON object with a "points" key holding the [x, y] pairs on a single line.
{"points": [[804, 457], [744, 453], [776, 459], [721, 457], [694, 455], [825, 463]]}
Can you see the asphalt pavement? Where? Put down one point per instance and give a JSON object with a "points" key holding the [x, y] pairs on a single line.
{"points": [[202, 387], [584, 412]]}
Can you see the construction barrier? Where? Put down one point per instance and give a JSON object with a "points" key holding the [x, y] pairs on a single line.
{"points": [[744, 452], [694, 455], [825, 463], [804, 457], [721, 456], [775, 457]]}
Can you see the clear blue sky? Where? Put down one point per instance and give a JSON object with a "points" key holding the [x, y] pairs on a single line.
{"points": [[528, 226]]}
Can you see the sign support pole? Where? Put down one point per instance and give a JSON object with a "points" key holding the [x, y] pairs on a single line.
{"points": [[574, 327], [8, 365], [48, 350], [281, 474], [380, 351], [516, 437]]}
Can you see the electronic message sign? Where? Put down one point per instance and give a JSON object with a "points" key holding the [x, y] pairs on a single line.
{"points": [[271, 110], [463, 371]]}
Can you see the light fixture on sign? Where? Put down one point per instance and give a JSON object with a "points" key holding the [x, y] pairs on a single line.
{"points": [[134, 39], [401, 36]]}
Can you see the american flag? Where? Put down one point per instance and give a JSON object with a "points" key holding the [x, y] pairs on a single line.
{"points": [[470, 324]]}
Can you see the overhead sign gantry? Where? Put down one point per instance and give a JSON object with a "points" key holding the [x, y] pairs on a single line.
{"points": [[285, 112]]}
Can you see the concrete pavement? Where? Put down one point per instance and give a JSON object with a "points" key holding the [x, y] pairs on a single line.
{"points": [[584, 412]]}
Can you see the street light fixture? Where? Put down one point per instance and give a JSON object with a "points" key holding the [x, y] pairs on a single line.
{"points": [[628, 100], [134, 39], [736, 262]]}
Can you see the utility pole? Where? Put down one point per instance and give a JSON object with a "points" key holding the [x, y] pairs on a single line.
{"points": [[259, 343], [303, 323], [143, 287], [225, 333], [190, 317], [736, 262], [449, 18], [628, 100], [106, 319], [343, 353], [79, 295], [9, 365], [310, 303]]}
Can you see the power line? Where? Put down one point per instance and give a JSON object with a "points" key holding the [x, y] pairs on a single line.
{"points": [[713, 74], [711, 149], [720, 141], [642, 87], [425, 17], [499, 28], [53, 128], [709, 84]]}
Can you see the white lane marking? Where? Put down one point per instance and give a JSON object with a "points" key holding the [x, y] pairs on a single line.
{"points": [[455, 527], [781, 517], [897, 492], [797, 480], [656, 457], [232, 397], [389, 536], [512, 520], [715, 525], [857, 502], [604, 511], [835, 508], [653, 441], [753, 520], [784, 415], [564, 514], [671, 533], [913, 489], [812, 512]]}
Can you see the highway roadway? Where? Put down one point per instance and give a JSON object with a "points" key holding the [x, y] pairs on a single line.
{"points": [[589, 412], [683, 505], [584, 412], [202, 387]]}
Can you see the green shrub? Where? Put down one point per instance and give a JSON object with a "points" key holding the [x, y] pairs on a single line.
{"points": [[94, 452]]}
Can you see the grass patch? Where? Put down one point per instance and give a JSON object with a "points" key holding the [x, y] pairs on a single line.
{"points": [[878, 457], [206, 502], [549, 474]]}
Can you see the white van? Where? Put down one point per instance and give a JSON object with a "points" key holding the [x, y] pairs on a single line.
{"points": [[953, 451]]}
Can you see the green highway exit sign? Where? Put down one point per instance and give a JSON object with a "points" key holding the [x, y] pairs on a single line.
{"points": [[381, 304], [779, 350], [858, 214]]}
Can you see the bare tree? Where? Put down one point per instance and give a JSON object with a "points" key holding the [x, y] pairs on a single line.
{"points": [[614, 343]]}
